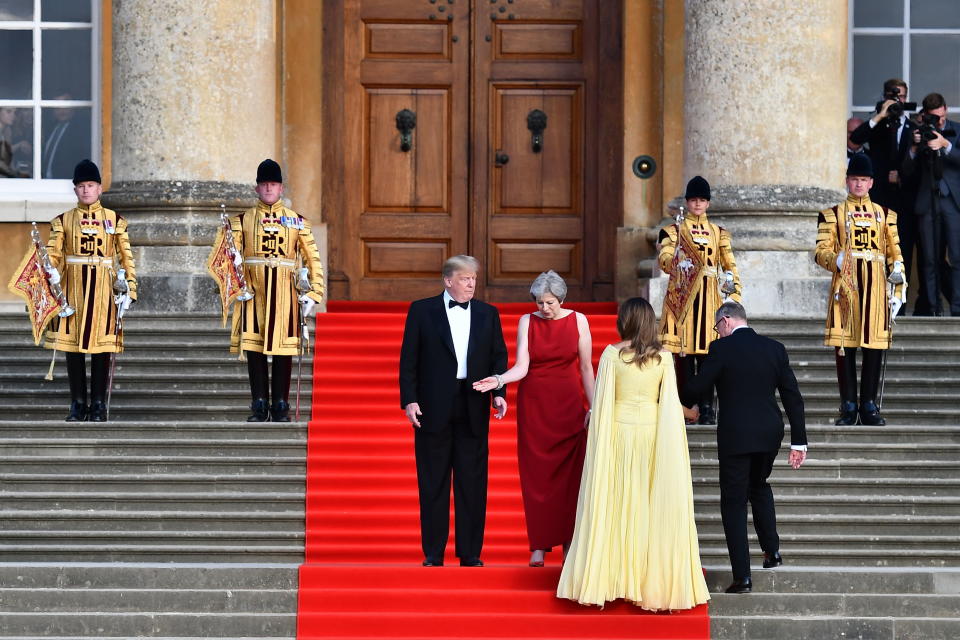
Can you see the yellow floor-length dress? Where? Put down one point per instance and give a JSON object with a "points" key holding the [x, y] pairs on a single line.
{"points": [[635, 537]]}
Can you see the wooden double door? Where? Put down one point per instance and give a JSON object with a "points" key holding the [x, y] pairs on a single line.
{"points": [[482, 127]]}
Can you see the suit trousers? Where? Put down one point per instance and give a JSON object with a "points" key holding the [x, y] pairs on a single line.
{"points": [[454, 447], [933, 268], [743, 477]]}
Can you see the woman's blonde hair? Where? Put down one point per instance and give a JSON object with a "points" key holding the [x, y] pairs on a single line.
{"points": [[637, 323]]}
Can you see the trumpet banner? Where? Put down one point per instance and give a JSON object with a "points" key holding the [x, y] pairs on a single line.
{"points": [[684, 283], [223, 271], [30, 282], [847, 292]]}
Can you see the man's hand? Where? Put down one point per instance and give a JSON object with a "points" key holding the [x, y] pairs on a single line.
{"points": [[840, 261], [883, 111], [237, 258], [939, 142], [123, 301], [692, 414], [413, 411], [916, 137], [797, 457], [685, 265], [501, 405], [53, 275], [306, 304]]}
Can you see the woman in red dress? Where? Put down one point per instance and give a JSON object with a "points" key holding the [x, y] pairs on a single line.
{"points": [[554, 351]]}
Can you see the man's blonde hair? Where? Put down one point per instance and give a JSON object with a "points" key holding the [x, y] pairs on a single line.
{"points": [[460, 263]]}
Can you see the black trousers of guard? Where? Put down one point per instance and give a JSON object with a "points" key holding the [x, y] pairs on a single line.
{"points": [[870, 370], [77, 376], [452, 448], [743, 478], [279, 380]]}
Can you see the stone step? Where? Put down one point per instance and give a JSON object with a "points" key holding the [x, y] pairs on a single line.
{"points": [[53, 429], [108, 575], [137, 410], [207, 464], [169, 552], [875, 628], [146, 379], [174, 520], [150, 624], [262, 501], [152, 483]]}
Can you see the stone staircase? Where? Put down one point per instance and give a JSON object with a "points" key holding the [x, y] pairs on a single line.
{"points": [[175, 519], [179, 519]]}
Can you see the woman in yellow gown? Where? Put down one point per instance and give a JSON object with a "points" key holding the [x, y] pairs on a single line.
{"points": [[635, 536]]}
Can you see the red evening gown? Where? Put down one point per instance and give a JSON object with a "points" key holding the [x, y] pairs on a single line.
{"points": [[551, 439]]}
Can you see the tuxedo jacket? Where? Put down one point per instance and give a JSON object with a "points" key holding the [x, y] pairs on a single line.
{"points": [[888, 154], [951, 172], [428, 363], [747, 370]]}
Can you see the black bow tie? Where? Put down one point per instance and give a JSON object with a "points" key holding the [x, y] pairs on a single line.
{"points": [[453, 303]]}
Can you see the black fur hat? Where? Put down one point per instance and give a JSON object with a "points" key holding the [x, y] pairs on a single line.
{"points": [[269, 171], [697, 188], [86, 171], [860, 165]]}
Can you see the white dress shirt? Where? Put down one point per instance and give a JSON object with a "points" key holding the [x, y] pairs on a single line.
{"points": [[797, 447], [459, 319]]}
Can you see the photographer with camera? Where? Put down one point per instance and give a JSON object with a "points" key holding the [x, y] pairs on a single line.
{"points": [[935, 161], [889, 133]]}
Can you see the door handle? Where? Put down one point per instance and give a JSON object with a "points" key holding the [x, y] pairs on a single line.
{"points": [[500, 158], [536, 122], [406, 123]]}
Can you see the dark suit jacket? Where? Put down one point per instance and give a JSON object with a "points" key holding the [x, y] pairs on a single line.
{"points": [[428, 363], [888, 154], [951, 172], [747, 369]]}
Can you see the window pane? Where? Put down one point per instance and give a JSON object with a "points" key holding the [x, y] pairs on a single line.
{"points": [[66, 140], [935, 66], [16, 9], [878, 13], [934, 14], [65, 10], [16, 142], [66, 64], [16, 51], [875, 59]]}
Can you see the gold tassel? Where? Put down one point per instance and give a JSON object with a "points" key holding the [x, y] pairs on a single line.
{"points": [[53, 361]]}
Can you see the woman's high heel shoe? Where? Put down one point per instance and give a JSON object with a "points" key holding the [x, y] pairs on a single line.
{"points": [[536, 563]]}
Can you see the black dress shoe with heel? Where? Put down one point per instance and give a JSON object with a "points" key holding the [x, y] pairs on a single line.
{"points": [[848, 414], [471, 562], [771, 560], [741, 585], [261, 411], [279, 411], [870, 415], [98, 411], [433, 562], [707, 414], [78, 411]]}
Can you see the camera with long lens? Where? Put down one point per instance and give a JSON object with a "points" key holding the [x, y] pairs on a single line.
{"points": [[897, 109], [929, 129]]}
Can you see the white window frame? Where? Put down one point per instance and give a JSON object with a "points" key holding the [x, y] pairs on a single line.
{"points": [[26, 199], [904, 31]]}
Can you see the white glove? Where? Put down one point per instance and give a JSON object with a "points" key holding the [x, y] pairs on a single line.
{"points": [[728, 287], [686, 264], [53, 275], [896, 276], [237, 258], [123, 301], [306, 304], [840, 261], [895, 304]]}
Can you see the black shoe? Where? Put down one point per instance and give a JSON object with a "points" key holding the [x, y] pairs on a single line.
{"points": [[98, 411], [260, 411], [848, 414], [707, 415], [279, 412], [433, 562], [870, 415], [743, 585], [78, 412], [471, 562], [771, 560]]}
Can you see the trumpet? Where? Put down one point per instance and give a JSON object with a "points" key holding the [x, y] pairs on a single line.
{"points": [[55, 289], [245, 293]]}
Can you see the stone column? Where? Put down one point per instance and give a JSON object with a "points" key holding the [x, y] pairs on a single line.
{"points": [[195, 109], [765, 110]]}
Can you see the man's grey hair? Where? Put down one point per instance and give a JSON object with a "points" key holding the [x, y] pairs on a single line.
{"points": [[731, 309], [549, 282], [460, 263]]}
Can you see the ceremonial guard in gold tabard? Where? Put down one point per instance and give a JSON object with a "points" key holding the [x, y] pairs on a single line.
{"points": [[857, 242], [90, 252], [699, 259], [281, 267]]}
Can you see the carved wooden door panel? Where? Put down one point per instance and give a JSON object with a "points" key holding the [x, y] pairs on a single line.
{"points": [[406, 209], [484, 79], [534, 122]]}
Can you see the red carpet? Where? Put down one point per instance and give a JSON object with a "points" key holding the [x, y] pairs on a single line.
{"points": [[362, 577]]}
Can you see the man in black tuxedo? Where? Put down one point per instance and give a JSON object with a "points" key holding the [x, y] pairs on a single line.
{"points": [[747, 369], [449, 341]]}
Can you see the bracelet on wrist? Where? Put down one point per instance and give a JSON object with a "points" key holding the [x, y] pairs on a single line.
{"points": [[499, 381]]}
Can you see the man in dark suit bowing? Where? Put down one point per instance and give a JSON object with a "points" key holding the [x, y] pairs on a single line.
{"points": [[747, 369], [449, 341]]}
